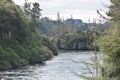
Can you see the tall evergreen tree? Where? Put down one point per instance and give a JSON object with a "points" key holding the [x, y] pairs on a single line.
{"points": [[27, 8], [32, 11], [36, 11]]}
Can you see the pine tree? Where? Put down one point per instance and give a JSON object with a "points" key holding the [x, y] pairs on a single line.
{"points": [[36, 11], [27, 8], [32, 11]]}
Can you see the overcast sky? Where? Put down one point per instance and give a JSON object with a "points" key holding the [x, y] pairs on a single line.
{"points": [[79, 9]]}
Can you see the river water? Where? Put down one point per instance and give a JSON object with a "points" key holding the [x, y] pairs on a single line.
{"points": [[66, 66]]}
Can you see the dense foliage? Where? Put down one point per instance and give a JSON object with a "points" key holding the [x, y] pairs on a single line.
{"points": [[110, 44], [77, 40], [20, 41]]}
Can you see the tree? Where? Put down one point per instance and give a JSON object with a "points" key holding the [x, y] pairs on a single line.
{"points": [[35, 11], [32, 11], [110, 43], [27, 8]]}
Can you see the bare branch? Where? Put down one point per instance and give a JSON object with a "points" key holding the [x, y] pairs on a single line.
{"points": [[102, 15]]}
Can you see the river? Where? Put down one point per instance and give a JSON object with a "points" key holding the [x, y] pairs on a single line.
{"points": [[66, 66]]}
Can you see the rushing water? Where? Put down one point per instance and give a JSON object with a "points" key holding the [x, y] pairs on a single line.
{"points": [[65, 66]]}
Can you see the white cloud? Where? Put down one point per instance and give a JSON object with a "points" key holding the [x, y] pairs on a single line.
{"points": [[82, 9]]}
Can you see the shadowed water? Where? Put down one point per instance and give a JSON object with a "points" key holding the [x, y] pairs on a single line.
{"points": [[65, 66]]}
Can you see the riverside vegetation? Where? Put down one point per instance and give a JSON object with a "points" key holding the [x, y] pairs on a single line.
{"points": [[109, 45], [20, 41], [78, 40]]}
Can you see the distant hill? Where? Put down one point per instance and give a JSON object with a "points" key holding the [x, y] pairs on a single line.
{"points": [[78, 24], [46, 25], [50, 27]]}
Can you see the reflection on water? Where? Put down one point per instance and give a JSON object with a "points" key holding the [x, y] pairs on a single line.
{"points": [[62, 67]]}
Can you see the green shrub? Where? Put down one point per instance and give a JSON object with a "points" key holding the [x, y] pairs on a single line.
{"points": [[8, 56], [5, 65], [46, 42], [46, 53]]}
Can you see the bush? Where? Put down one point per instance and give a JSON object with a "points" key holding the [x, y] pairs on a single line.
{"points": [[5, 65], [46, 53], [46, 42], [8, 56]]}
